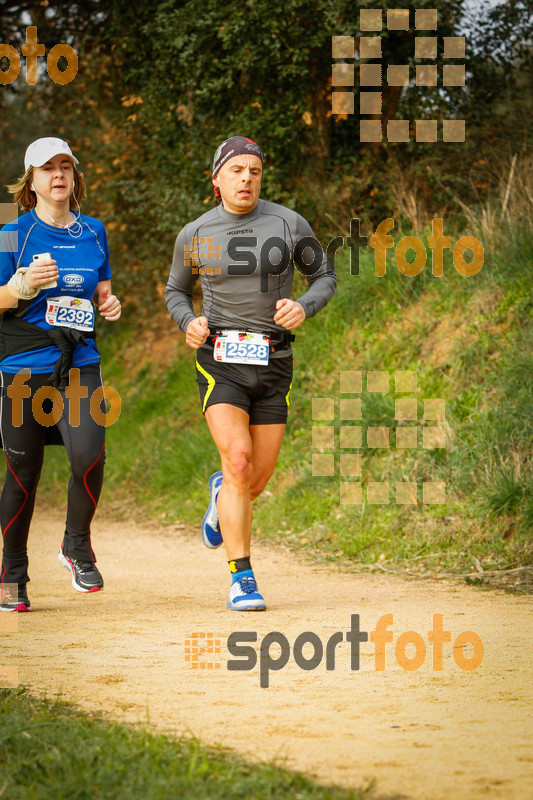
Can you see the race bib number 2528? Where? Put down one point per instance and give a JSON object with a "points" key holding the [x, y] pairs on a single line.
{"points": [[242, 348]]}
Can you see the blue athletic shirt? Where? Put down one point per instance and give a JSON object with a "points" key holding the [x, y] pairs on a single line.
{"points": [[82, 262]]}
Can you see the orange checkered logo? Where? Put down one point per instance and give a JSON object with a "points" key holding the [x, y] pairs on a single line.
{"points": [[202, 644], [202, 248]]}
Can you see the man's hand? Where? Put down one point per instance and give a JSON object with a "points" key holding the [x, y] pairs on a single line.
{"points": [[197, 332], [289, 314]]}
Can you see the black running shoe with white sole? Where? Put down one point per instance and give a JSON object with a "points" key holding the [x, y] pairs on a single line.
{"points": [[85, 575], [14, 598]]}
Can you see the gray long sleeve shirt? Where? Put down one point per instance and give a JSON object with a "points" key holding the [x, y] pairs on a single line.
{"points": [[245, 263]]}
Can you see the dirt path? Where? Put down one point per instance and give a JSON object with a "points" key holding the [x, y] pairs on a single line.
{"points": [[424, 734]]}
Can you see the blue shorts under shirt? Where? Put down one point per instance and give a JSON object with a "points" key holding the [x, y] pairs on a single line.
{"points": [[82, 262]]}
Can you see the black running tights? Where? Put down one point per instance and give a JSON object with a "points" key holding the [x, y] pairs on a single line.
{"points": [[24, 451]]}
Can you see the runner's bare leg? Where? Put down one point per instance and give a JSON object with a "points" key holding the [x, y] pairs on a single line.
{"points": [[248, 456], [266, 444]]}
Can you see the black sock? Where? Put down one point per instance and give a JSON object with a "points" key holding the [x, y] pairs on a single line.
{"points": [[238, 566]]}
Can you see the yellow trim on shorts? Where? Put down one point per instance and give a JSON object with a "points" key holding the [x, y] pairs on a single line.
{"points": [[288, 396], [210, 384]]}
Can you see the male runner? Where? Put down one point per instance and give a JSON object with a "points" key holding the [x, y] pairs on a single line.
{"points": [[244, 252]]}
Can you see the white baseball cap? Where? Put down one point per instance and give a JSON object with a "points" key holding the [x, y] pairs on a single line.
{"points": [[42, 150]]}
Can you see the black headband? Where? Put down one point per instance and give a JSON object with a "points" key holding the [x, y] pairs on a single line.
{"points": [[235, 146]]}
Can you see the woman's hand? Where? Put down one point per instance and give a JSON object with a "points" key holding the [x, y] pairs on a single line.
{"points": [[108, 304], [40, 272]]}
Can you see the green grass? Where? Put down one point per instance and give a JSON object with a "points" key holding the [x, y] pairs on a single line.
{"points": [[470, 341], [49, 750], [160, 455]]}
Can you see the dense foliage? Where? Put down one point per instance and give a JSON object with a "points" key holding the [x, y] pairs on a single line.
{"points": [[159, 85]]}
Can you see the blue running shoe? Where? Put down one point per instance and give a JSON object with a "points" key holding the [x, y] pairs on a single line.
{"points": [[211, 535], [244, 595]]}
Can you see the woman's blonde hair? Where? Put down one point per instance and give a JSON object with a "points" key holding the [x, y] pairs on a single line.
{"points": [[27, 199]]}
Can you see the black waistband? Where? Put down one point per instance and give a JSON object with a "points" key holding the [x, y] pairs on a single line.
{"points": [[18, 336]]}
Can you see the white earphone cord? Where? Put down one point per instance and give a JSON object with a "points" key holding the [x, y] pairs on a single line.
{"points": [[74, 228], [75, 224]]}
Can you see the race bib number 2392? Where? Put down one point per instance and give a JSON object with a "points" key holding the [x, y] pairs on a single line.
{"points": [[70, 312]]}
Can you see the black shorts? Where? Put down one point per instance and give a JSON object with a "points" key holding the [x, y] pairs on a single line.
{"points": [[263, 392]]}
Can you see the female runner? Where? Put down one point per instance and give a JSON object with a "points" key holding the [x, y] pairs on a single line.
{"points": [[54, 266]]}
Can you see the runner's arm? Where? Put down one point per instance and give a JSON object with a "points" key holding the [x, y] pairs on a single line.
{"points": [[8, 267], [178, 293], [6, 299], [322, 281]]}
